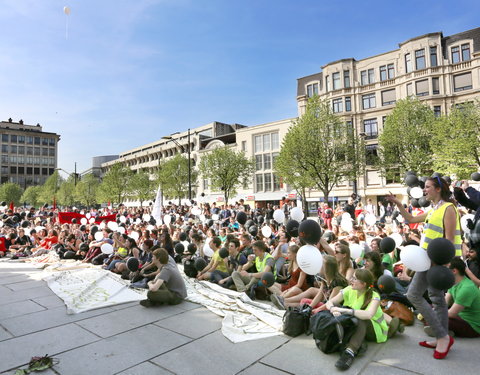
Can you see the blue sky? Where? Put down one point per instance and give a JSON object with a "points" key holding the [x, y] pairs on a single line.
{"points": [[132, 71]]}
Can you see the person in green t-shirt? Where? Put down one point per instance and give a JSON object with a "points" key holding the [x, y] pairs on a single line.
{"points": [[464, 301]]}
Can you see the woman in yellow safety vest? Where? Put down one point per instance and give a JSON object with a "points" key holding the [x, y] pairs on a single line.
{"points": [[441, 221]]}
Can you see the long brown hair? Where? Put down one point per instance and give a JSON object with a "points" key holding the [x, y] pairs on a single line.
{"points": [[366, 277], [445, 193], [346, 263], [330, 270], [294, 250]]}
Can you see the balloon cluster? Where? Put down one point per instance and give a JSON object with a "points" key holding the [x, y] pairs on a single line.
{"points": [[415, 189]]}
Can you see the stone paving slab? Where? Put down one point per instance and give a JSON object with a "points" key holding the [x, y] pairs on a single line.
{"points": [[24, 285], [10, 296], [13, 278], [19, 308], [39, 321], [260, 368], [185, 323], [4, 335], [145, 368], [376, 368], [120, 352], [119, 321], [49, 302], [215, 352], [18, 351]]}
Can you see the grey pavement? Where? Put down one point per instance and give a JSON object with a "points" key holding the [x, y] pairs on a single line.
{"points": [[183, 339]]}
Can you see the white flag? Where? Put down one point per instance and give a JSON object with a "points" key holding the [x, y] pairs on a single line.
{"points": [[157, 207]]}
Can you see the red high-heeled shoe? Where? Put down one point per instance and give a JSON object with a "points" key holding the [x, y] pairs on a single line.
{"points": [[425, 344], [438, 355]]}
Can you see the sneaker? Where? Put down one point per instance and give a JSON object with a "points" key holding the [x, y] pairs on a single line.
{"points": [[345, 361], [278, 301], [251, 292], [362, 350], [146, 303]]}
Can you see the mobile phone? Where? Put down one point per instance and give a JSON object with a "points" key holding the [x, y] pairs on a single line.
{"points": [[458, 184]]}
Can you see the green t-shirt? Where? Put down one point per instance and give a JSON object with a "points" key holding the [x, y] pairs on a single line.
{"points": [[467, 294], [221, 266], [388, 260]]}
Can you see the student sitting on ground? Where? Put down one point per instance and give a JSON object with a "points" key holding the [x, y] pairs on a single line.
{"points": [[216, 263]]}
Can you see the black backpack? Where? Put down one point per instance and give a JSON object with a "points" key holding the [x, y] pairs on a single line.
{"points": [[331, 334], [189, 267], [296, 319]]}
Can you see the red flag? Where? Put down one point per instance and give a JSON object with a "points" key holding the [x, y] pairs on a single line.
{"points": [[54, 203], [12, 207]]}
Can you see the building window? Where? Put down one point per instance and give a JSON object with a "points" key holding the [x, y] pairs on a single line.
{"points": [[465, 52], [409, 89], [391, 71], [21, 170], [37, 151], [29, 150], [437, 110], [422, 87], [335, 81], [21, 139], [371, 154], [21, 159], [312, 90], [4, 137], [388, 97], [368, 101], [275, 141], [408, 63], [13, 170], [36, 170], [37, 140], [51, 141], [13, 149], [327, 83], [364, 79], [4, 158], [21, 149], [13, 138], [266, 142], [455, 55], [433, 56], [267, 161], [348, 104], [435, 85], [371, 75], [29, 140], [370, 128], [244, 147], [337, 105], [462, 82], [257, 142], [258, 162], [346, 78], [258, 182], [267, 178], [420, 59], [44, 141], [4, 148], [383, 73], [29, 170], [277, 183], [4, 170]]}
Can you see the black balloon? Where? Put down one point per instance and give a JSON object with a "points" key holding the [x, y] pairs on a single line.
{"points": [[448, 180], [410, 173], [25, 224], [436, 174], [475, 177], [440, 277], [210, 223], [411, 180], [253, 230], [292, 228], [408, 191], [223, 252], [3, 203], [268, 279], [424, 202], [242, 217], [387, 245], [200, 264], [414, 203], [310, 232], [249, 223], [133, 264], [182, 236], [386, 284], [441, 251], [93, 230], [192, 248], [260, 219], [179, 248]]}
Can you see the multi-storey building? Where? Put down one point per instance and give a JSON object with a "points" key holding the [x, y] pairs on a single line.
{"points": [[29, 155], [96, 168], [440, 70]]}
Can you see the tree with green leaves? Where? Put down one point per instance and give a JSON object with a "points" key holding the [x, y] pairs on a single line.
{"points": [[66, 193], [87, 189], [50, 188], [115, 186], [142, 188], [226, 169], [173, 177], [404, 144], [456, 141], [320, 150], [10, 192], [31, 196]]}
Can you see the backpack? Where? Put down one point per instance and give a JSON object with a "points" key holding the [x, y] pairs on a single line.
{"points": [[331, 334], [296, 319], [189, 268]]}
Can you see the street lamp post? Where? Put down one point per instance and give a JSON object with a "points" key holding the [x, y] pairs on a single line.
{"points": [[170, 138], [75, 175]]}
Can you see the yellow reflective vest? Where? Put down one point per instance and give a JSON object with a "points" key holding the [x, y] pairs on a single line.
{"points": [[433, 228]]}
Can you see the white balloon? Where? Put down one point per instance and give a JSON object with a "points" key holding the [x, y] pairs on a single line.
{"points": [[150, 227], [83, 221], [196, 211], [416, 192], [202, 218], [138, 221], [346, 224], [415, 258], [188, 203], [346, 215], [1, 224], [397, 237], [266, 231], [134, 235], [106, 248], [38, 228], [207, 250], [463, 222], [370, 219], [146, 217], [98, 236], [121, 230], [167, 219], [26, 230], [123, 219], [67, 10], [92, 220], [309, 259], [279, 216], [356, 250], [296, 214], [102, 225], [215, 217], [82, 212], [112, 225], [88, 215], [400, 218]]}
